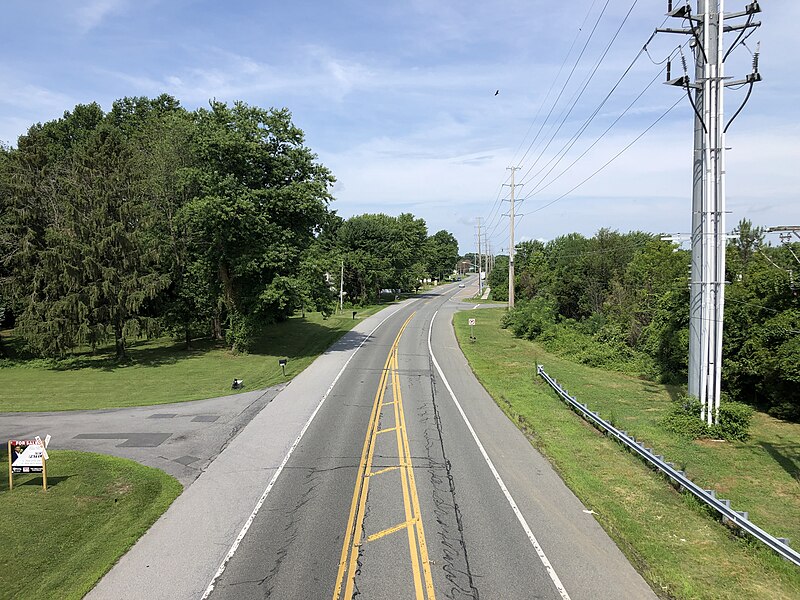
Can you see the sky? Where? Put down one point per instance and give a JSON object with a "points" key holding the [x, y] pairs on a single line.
{"points": [[421, 106]]}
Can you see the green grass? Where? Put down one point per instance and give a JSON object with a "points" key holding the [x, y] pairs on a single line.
{"points": [[57, 544], [161, 371], [680, 549]]}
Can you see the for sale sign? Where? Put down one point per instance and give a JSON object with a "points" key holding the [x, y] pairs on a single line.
{"points": [[26, 456]]}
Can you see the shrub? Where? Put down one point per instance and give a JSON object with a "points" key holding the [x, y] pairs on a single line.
{"points": [[734, 421], [530, 319], [684, 419]]}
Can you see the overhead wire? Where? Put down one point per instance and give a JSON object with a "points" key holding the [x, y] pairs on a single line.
{"points": [[539, 189], [558, 157], [606, 164], [566, 83], [580, 93], [491, 222], [553, 83], [497, 201]]}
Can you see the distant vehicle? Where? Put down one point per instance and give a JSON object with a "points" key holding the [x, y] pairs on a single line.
{"points": [[461, 285]]}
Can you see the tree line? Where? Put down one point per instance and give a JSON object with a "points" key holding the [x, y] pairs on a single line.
{"points": [[628, 295], [150, 218]]}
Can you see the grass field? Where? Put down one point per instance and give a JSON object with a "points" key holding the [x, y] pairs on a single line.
{"points": [[670, 538], [161, 370], [57, 544]]}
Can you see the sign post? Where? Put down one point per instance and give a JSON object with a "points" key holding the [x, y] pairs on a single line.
{"points": [[472, 337], [10, 471]]}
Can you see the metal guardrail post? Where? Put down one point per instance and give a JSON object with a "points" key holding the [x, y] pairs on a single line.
{"points": [[708, 497]]}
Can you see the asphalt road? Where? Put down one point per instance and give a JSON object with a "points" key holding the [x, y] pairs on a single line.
{"points": [[391, 494], [367, 475]]}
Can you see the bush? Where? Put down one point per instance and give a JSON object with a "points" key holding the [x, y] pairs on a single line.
{"points": [[684, 419], [530, 319], [734, 421]]}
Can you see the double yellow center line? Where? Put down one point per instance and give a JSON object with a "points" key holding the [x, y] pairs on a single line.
{"points": [[354, 535]]}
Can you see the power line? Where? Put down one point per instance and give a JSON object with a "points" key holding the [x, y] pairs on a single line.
{"points": [[583, 89], [537, 189], [553, 83], [569, 77], [615, 157]]}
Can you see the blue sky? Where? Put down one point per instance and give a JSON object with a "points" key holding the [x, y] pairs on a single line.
{"points": [[398, 99]]}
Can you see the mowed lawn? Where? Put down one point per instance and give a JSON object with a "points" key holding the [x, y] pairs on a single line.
{"points": [[676, 544], [162, 371], [57, 544]]}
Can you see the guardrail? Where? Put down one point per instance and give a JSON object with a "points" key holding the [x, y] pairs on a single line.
{"points": [[708, 497]]}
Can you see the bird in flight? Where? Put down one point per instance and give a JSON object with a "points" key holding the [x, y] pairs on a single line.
{"points": [[497, 92]]}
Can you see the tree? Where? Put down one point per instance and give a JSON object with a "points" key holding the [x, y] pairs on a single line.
{"points": [[91, 264], [762, 317], [6, 241], [746, 244], [442, 251], [566, 287], [633, 297], [261, 199], [530, 269], [498, 279], [364, 241], [407, 250], [382, 252]]}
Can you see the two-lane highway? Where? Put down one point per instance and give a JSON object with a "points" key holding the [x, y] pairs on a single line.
{"points": [[410, 483]]}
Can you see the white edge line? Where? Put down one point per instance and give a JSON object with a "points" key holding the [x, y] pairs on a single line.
{"points": [[548, 567], [272, 481]]}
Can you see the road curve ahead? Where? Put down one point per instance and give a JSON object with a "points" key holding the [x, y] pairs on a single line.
{"points": [[409, 482]]}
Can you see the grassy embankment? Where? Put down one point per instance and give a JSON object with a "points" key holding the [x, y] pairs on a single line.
{"points": [[671, 539], [57, 544], [161, 370]]}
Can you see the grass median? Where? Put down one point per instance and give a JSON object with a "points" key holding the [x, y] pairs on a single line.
{"points": [[671, 538], [57, 544], [161, 370]]}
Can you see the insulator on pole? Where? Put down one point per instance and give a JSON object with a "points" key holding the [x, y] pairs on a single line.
{"points": [[755, 57]]}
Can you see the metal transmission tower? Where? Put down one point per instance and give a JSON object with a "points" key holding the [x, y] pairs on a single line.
{"points": [[513, 186], [707, 290]]}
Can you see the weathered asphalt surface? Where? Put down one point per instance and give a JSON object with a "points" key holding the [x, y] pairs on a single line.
{"points": [[476, 545], [181, 439]]}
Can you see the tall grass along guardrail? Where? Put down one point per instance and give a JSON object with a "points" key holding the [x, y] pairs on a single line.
{"points": [[708, 497]]}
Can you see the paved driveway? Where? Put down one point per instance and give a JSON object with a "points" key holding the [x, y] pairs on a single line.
{"points": [[181, 439]]}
